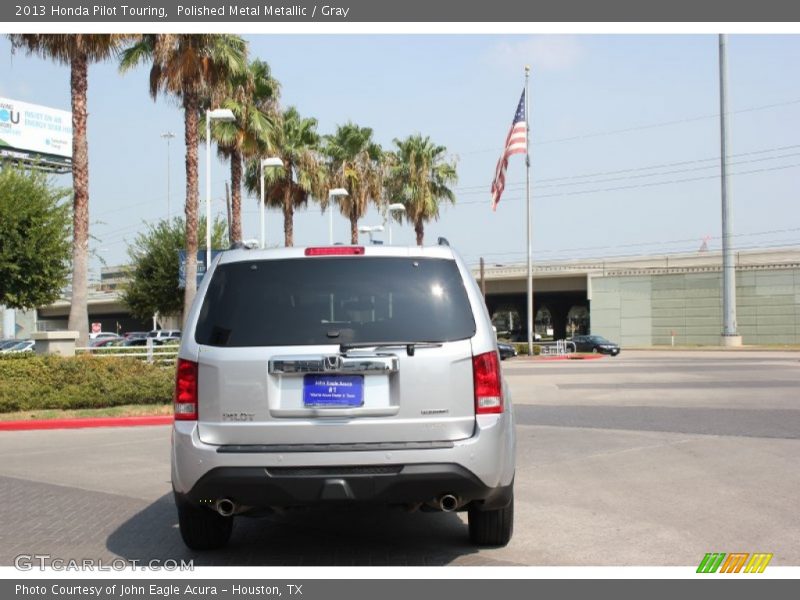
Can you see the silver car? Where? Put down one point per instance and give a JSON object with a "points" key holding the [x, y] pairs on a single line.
{"points": [[341, 374]]}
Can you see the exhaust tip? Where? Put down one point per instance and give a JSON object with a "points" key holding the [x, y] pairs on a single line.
{"points": [[225, 507], [448, 502]]}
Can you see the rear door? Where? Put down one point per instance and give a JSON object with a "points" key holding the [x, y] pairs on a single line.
{"points": [[336, 349]]}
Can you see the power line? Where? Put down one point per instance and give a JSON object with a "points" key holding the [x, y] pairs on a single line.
{"points": [[638, 244], [783, 243], [674, 164], [483, 188], [644, 126], [646, 175], [637, 186]]}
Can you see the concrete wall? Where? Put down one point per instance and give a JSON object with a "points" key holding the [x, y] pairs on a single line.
{"points": [[643, 310]]}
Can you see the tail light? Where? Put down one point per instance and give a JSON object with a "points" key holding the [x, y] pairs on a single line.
{"points": [[334, 250], [186, 391], [488, 386]]}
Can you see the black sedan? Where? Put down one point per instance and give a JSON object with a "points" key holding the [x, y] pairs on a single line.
{"points": [[506, 350], [595, 343]]}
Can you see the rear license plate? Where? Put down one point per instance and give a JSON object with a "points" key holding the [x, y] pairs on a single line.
{"points": [[334, 391]]}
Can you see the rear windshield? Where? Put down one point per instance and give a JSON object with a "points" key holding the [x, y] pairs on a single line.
{"points": [[333, 301]]}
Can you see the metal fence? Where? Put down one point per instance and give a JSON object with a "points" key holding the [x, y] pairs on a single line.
{"points": [[558, 348], [150, 353]]}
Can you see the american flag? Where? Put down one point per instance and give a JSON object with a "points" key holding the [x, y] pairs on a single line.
{"points": [[516, 143]]}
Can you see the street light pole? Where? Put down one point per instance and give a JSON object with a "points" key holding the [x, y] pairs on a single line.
{"points": [[272, 162], [208, 189], [730, 336], [369, 230], [220, 114], [393, 208], [262, 207], [334, 193], [168, 135]]}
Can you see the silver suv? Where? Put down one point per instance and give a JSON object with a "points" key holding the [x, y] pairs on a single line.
{"points": [[340, 374]]}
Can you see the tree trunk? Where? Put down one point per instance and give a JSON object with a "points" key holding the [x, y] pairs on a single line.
{"points": [[419, 229], [236, 196], [353, 225], [288, 217], [78, 311], [190, 120]]}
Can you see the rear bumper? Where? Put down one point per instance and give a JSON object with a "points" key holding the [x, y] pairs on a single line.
{"points": [[475, 466], [258, 487]]}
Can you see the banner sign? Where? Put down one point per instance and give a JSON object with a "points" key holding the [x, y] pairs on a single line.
{"points": [[201, 266], [35, 129]]}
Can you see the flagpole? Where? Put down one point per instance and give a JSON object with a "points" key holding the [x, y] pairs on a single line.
{"points": [[528, 213]]}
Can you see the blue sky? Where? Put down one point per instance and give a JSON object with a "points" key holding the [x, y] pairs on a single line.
{"points": [[615, 106]]}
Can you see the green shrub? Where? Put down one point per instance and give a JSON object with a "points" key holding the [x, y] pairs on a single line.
{"points": [[522, 349], [30, 382]]}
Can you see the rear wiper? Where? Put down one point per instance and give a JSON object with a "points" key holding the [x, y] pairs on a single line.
{"points": [[410, 346]]}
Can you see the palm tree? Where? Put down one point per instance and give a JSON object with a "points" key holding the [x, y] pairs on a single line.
{"points": [[356, 163], [302, 175], [419, 176], [253, 98], [77, 51], [194, 68]]}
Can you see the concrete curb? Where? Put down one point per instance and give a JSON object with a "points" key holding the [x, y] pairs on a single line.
{"points": [[565, 357], [81, 423]]}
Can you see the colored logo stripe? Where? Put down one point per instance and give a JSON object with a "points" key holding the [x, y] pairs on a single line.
{"points": [[758, 562], [734, 563], [711, 562]]}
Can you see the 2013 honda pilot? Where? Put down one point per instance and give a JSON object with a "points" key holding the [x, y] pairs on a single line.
{"points": [[341, 374]]}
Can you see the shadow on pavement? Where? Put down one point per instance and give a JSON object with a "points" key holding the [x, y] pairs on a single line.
{"points": [[357, 536]]}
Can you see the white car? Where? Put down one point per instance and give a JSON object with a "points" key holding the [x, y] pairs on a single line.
{"points": [[160, 334], [102, 335]]}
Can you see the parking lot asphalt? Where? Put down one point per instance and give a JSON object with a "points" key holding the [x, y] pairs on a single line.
{"points": [[649, 458]]}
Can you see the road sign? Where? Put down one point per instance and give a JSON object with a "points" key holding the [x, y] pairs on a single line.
{"points": [[201, 265]]}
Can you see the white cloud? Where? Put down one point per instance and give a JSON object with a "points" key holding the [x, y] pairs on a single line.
{"points": [[541, 52]]}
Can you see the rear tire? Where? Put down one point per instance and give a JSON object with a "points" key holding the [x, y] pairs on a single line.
{"points": [[202, 529], [492, 527]]}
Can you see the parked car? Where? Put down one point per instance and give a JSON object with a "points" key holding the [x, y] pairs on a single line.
{"points": [[160, 334], [7, 344], [506, 350], [103, 335], [139, 341], [18, 346], [100, 342], [595, 343], [134, 335], [340, 374]]}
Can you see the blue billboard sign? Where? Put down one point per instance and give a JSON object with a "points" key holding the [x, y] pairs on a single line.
{"points": [[201, 265]]}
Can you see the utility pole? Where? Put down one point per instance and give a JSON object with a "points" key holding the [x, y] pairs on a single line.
{"points": [[730, 336], [228, 206], [483, 281], [168, 135]]}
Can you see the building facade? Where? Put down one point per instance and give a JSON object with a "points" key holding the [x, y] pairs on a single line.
{"points": [[685, 308]]}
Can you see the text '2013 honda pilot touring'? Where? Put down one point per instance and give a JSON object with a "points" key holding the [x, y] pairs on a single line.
{"points": [[341, 374]]}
